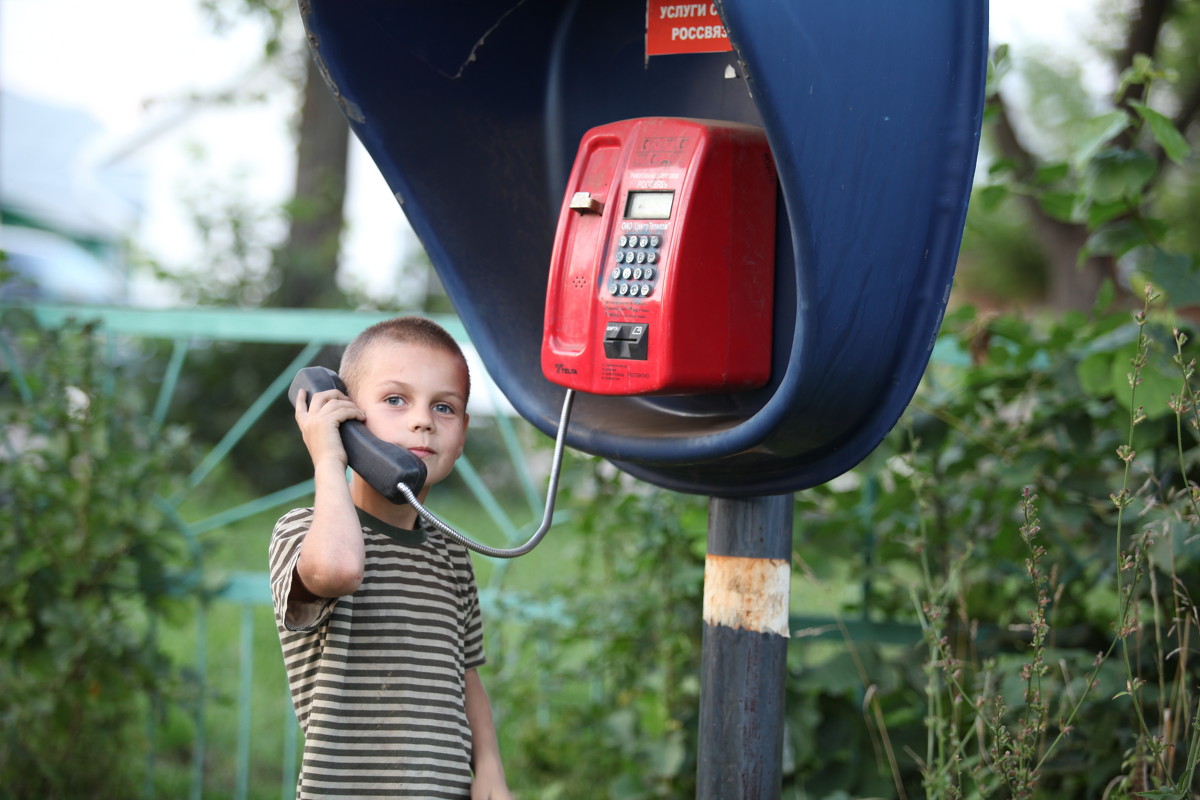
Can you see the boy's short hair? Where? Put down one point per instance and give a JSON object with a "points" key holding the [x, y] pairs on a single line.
{"points": [[400, 330]]}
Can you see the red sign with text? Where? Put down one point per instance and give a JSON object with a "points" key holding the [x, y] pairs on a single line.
{"points": [[673, 27]]}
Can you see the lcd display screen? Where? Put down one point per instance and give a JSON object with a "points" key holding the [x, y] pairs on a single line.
{"points": [[649, 205]]}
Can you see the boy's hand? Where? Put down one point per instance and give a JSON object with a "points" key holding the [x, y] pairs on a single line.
{"points": [[319, 421]]}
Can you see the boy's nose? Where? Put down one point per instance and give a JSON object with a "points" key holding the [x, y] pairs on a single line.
{"points": [[421, 422]]}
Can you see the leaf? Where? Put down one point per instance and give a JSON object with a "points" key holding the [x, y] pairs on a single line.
{"points": [[1160, 381], [1176, 275], [1001, 166], [1051, 173], [1095, 373], [1164, 131], [1162, 794], [1059, 205], [997, 67], [1098, 213], [1113, 239], [1098, 132], [990, 197], [1115, 174], [1140, 72]]}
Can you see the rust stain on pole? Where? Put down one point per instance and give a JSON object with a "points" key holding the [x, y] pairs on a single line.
{"points": [[747, 593]]}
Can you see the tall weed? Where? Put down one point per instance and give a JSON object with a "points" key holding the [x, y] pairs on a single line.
{"points": [[1089, 693]]}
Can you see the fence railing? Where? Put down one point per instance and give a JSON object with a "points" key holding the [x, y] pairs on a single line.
{"points": [[249, 591]]}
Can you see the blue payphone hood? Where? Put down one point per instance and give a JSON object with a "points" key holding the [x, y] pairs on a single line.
{"points": [[472, 109]]}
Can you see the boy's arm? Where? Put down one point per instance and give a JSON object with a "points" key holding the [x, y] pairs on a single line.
{"points": [[332, 558], [490, 783]]}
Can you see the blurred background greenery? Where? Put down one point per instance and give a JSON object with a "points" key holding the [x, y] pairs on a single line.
{"points": [[996, 603]]}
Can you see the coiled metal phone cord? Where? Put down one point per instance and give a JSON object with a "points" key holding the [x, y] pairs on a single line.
{"points": [[547, 516]]}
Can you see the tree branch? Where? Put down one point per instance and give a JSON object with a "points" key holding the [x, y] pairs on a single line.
{"points": [[1007, 141], [1142, 37], [1189, 108], [1069, 284]]}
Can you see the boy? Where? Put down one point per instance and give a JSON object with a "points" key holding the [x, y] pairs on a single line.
{"points": [[378, 613]]}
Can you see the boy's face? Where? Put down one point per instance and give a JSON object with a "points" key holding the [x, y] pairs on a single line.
{"points": [[415, 396]]}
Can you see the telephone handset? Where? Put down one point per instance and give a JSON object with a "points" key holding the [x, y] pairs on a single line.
{"points": [[398, 475], [381, 464]]}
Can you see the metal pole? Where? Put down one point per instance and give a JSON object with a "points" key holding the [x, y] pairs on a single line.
{"points": [[747, 574]]}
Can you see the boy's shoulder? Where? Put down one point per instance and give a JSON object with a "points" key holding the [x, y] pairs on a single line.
{"points": [[293, 522]]}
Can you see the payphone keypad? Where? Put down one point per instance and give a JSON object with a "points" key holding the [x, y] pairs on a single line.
{"points": [[636, 257]]}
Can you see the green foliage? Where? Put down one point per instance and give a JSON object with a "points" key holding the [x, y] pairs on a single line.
{"points": [[1103, 184], [598, 696], [90, 562], [1045, 546], [1113, 174], [1057, 639]]}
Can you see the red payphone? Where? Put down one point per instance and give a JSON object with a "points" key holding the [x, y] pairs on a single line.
{"points": [[662, 272]]}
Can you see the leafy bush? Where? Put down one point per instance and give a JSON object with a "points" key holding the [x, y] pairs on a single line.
{"points": [[1035, 516], [599, 697], [91, 560]]}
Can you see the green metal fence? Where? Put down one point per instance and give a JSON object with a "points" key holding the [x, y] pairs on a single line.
{"points": [[249, 591]]}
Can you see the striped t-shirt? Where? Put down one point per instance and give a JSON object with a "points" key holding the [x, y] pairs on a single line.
{"points": [[377, 677]]}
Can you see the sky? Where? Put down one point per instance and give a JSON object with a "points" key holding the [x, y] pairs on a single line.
{"points": [[130, 64]]}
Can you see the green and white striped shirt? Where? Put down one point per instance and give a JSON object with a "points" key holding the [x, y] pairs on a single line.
{"points": [[377, 677]]}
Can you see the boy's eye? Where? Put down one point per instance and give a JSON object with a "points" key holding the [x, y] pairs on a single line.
{"points": [[444, 408], [394, 400]]}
